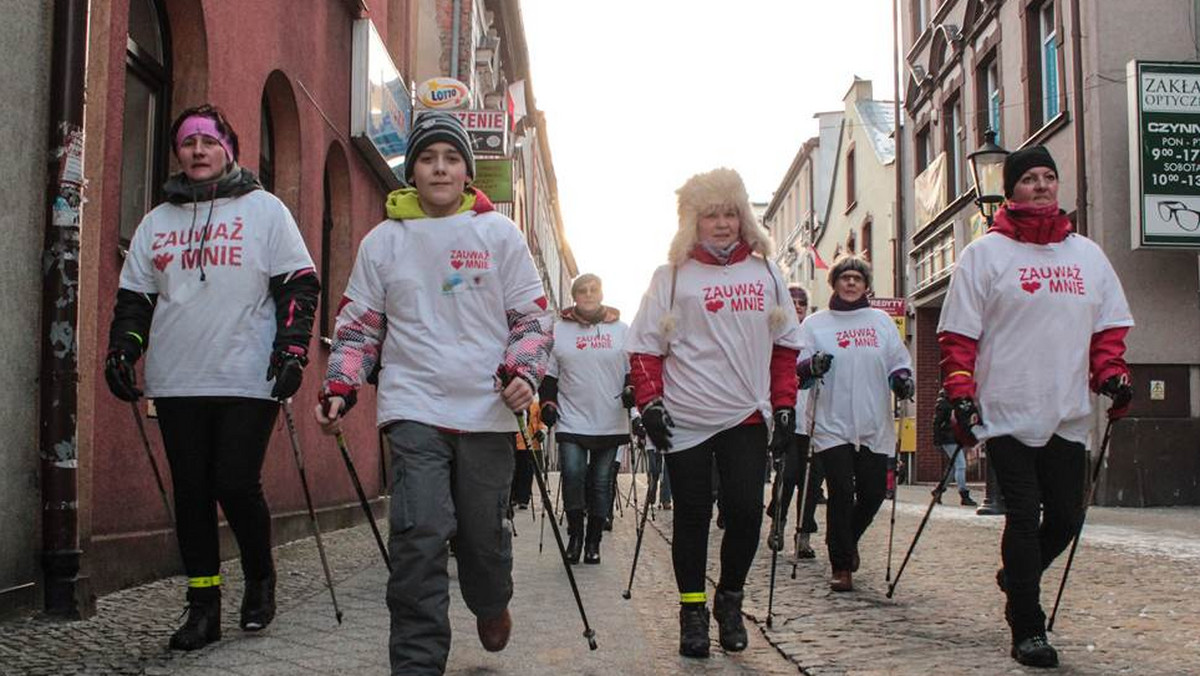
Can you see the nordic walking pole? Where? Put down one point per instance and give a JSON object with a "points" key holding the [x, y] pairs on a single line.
{"points": [[778, 499], [588, 632], [812, 428], [1078, 532], [937, 495], [362, 499], [312, 515], [651, 487], [162, 491], [892, 526]]}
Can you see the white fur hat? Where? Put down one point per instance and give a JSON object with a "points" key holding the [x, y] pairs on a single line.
{"points": [[700, 195]]}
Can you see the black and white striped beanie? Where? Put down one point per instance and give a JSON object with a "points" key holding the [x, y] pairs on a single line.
{"points": [[430, 128]]}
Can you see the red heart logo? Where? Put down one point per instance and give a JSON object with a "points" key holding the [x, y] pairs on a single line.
{"points": [[580, 344], [714, 305], [456, 264], [843, 343], [1030, 287], [162, 259]]}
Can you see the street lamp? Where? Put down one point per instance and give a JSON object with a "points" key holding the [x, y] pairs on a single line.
{"points": [[987, 168]]}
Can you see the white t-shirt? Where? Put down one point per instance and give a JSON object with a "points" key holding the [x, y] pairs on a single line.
{"points": [[444, 285], [854, 403], [590, 364], [1033, 308], [213, 338], [716, 371]]}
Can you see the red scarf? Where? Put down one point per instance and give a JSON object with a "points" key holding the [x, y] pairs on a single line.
{"points": [[1028, 223]]}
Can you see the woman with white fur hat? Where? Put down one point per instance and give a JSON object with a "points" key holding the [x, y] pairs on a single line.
{"points": [[712, 355]]}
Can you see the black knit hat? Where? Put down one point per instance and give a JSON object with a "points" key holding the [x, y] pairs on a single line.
{"points": [[1021, 161], [431, 128]]}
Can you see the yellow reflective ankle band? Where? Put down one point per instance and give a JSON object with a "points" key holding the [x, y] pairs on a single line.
{"points": [[204, 582], [693, 597]]}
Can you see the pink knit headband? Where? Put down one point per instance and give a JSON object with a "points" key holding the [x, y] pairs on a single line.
{"points": [[202, 124]]}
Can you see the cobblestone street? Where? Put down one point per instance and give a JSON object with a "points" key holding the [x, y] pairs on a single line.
{"points": [[1131, 607]]}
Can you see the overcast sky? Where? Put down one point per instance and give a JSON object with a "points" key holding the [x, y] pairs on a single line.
{"points": [[641, 94]]}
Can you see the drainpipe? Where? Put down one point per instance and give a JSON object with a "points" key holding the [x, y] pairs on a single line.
{"points": [[455, 30], [1081, 189], [898, 217], [65, 592]]}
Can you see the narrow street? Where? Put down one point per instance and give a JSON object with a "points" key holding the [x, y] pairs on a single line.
{"points": [[1131, 607]]}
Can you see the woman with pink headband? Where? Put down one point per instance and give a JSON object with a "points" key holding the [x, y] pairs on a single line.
{"points": [[218, 289]]}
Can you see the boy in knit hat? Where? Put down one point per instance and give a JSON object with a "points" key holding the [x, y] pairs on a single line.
{"points": [[443, 291]]}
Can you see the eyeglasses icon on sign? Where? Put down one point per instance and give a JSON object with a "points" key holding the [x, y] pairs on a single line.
{"points": [[1179, 212]]}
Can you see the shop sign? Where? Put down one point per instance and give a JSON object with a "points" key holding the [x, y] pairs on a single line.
{"points": [[442, 93], [895, 308], [380, 106], [487, 129], [494, 176], [1164, 154]]}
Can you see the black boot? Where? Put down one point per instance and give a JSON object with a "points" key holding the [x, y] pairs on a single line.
{"points": [[727, 609], [1035, 651], [258, 603], [591, 545], [203, 624], [966, 500], [693, 630], [575, 533]]}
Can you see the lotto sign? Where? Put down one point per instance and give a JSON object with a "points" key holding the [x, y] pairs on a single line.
{"points": [[894, 307], [441, 93], [1164, 154]]}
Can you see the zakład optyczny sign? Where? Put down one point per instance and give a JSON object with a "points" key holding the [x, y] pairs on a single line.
{"points": [[1164, 154]]}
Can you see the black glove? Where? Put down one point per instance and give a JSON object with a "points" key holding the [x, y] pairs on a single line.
{"points": [[965, 415], [287, 370], [549, 413], [627, 397], [539, 437], [121, 378], [820, 363], [658, 425], [639, 430], [1119, 388], [902, 385], [785, 432]]}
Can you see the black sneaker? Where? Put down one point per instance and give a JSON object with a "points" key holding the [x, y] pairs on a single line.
{"points": [[1035, 651], [693, 630], [727, 609]]}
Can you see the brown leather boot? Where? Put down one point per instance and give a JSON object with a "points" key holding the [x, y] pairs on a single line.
{"points": [[841, 581], [494, 632]]}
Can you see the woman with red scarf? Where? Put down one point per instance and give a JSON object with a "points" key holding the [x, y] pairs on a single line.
{"points": [[1035, 317]]}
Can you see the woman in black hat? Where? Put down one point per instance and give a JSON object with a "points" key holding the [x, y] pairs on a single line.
{"points": [[1035, 317]]}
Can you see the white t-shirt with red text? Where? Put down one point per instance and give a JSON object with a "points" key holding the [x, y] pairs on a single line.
{"points": [[213, 338], [590, 364], [444, 285], [853, 400], [1033, 308], [716, 367]]}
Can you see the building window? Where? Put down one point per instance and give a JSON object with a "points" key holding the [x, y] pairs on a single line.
{"points": [[988, 99], [266, 146], [924, 150], [952, 121], [850, 179], [866, 240], [145, 147], [920, 17], [1041, 61]]}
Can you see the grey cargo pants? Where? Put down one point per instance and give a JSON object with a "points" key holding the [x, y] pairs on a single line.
{"points": [[445, 486]]}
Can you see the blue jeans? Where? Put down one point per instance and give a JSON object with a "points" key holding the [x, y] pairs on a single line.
{"points": [[586, 483], [659, 469], [960, 465]]}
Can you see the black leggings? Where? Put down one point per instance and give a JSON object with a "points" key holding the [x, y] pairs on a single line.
{"points": [[857, 480], [741, 461], [215, 446], [796, 469]]}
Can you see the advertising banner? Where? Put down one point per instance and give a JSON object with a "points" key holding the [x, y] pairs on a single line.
{"points": [[494, 177], [380, 106], [895, 308], [487, 128]]}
